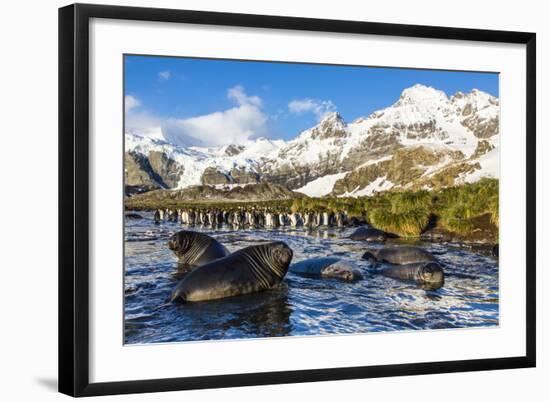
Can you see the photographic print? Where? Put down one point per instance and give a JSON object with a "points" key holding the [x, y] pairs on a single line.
{"points": [[269, 199]]}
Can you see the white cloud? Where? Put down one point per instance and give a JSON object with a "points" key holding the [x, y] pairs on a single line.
{"points": [[238, 95], [246, 120], [131, 102], [318, 107], [235, 125], [142, 124], [165, 75]]}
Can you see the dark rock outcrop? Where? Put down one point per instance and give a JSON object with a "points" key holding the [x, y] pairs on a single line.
{"points": [[156, 170], [212, 176], [207, 193], [244, 176]]}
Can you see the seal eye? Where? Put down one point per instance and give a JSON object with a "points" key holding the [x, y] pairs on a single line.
{"points": [[173, 243], [427, 272]]}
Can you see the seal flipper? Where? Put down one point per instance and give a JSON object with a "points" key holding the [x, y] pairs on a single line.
{"points": [[368, 255], [176, 296], [177, 299], [167, 302]]}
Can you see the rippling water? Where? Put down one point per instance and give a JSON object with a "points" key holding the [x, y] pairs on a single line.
{"points": [[301, 306]]}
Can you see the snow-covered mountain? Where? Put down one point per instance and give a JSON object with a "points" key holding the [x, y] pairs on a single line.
{"points": [[424, 140]]}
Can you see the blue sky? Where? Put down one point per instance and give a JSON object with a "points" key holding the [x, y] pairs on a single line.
{"points": [[213, 102]]}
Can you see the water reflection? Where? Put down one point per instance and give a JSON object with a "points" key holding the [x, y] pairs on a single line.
{"points": [[265, 314]]}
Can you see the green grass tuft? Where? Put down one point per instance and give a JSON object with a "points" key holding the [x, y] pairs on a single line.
{"points": [[407, 223]]}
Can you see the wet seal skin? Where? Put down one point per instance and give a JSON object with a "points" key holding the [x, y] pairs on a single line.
{"points": [[399, 255], [133, 216], [251, 269], [326, 267], [428, 274], [368, 234], [195, 249]]}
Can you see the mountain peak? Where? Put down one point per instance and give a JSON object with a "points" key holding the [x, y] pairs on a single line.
{"points": [[456, 136], [331, 126], [477, 98], [422, 93], [154, 133], [332, 117]]}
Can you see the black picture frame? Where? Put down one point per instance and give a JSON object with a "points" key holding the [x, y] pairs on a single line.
{"points": [[74, 198]]}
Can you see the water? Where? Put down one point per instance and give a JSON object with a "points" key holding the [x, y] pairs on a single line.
{"points": [[302, 305]]}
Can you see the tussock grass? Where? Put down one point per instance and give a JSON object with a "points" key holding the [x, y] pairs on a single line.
{"points": [[407, 223], [458, 206]]}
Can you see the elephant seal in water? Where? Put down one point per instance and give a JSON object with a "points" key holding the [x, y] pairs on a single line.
{"points": [[399, 255], [251, 269], [326, 267], [133, 216], [368, 234], [428, 274], [196, 249]]}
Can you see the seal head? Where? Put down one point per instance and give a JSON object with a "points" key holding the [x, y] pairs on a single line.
{"points": [[195, 249], [431, 275], [342, 272]]}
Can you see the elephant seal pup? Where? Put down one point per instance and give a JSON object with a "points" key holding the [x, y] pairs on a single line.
{"points": [[326, 267], [133, 216], [399, 255], [251, 269], [196, 249], [368, 234], [428, 274]]}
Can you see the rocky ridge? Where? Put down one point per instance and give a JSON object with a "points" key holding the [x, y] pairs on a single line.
{"points": [[424, 140]]}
